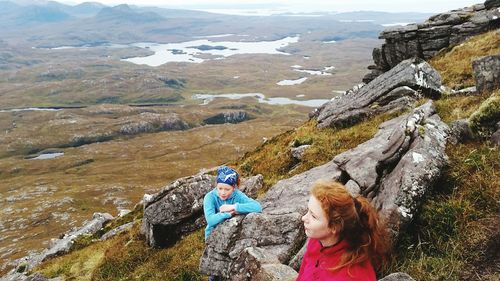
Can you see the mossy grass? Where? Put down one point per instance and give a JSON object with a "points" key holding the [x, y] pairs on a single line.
{"points": [[483, 120], [454, 107], [129, 258]]}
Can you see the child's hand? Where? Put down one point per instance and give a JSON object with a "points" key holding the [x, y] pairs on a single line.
{"points": [[227, 209]]}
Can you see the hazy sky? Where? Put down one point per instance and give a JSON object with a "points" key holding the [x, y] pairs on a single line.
{"points": [[432, 6]]}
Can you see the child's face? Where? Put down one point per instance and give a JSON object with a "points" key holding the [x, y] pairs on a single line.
{"points": [[224, 190], [316, 221]]}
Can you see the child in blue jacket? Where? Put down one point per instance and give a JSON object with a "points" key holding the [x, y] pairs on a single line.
{"points": [[225, 200]]}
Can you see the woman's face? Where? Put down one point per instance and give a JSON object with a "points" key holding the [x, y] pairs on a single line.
{"points": [[316, 222], [224, 190]]}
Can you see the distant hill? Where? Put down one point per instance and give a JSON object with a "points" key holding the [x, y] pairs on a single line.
{"points": [[7, 7], [90, 23], [17, 15], [87, 8], [179, 13], [30, 2], [40, 14], [381, 17], [125, 13]]}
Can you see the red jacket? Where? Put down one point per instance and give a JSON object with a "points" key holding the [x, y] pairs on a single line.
{"points": [[318, 259]]}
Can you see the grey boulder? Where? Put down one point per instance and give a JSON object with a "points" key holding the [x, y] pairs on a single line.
{"points": [[487, 73], [396, 89]]}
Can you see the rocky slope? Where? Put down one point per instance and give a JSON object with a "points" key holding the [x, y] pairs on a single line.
{"points": [[395, 169]]}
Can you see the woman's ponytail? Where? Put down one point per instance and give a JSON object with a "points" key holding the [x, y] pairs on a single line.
{"points": [[376, 231]]}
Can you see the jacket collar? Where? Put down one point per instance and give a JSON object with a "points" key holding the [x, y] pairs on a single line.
{"points": [[330, 250]]}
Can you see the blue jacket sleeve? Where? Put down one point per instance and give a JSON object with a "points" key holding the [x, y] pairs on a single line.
{"points": [[211, 216], [245, 204]]}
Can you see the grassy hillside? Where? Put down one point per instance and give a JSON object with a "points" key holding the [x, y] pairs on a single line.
{"points": [[454, 238], [455, 65]]}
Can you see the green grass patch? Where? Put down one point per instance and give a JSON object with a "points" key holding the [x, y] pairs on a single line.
{"points": [[77, 265], [454, 107], [129, 258]]}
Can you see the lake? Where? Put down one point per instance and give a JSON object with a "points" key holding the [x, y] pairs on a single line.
{"points": [[207, 98], [188, 51], [46, 156], [30, 109]]}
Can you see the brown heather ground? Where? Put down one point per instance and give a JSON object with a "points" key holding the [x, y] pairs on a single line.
{"points": [[455, 65], [454, 238]]}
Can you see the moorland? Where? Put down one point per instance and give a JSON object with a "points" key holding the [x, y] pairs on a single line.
{"points": [[62, 60]]}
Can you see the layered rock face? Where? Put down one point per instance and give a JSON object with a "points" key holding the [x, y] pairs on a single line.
{"points": [[424, 40], [394, 170], [396, 89], [397, 167], [237, 116], [147, 122]]}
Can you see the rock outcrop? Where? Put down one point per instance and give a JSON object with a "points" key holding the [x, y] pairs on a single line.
{"points": [[147, 122], [487, 73], [394, 169], [117, 230], [397, 167], [424, 40], [228, 117], [58, 247], [178, 208], [298, 152], [396, 89]]}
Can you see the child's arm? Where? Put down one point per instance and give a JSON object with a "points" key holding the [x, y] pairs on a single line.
{"points": [[211, 216], [245, 205]]}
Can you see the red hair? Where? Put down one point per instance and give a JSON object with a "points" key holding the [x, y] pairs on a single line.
{"points": [[355, 221]]}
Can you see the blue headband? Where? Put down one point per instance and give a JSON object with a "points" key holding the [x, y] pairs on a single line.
{"points": [[227, 175]]}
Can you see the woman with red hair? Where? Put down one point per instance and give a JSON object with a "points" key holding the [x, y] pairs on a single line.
{"points": [[347, 239]]}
